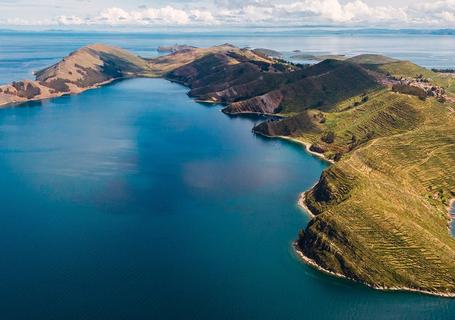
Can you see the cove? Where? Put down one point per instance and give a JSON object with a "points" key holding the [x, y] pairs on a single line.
{"points": [[133, 201]]}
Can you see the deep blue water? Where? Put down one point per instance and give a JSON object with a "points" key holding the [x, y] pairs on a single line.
{"points": [[21, 53], [134, 202]]}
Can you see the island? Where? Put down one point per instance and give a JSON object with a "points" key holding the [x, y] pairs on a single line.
{"points": [[380, 211], [303, 56]]}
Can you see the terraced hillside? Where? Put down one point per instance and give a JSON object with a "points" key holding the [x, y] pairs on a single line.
{"points": [[381, 213], [380, 210]]}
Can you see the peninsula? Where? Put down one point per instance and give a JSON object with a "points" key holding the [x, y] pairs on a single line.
{"points": [[380, 211]]}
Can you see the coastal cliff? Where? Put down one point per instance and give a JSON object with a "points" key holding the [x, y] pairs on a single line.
{"points": [[380, 211]]}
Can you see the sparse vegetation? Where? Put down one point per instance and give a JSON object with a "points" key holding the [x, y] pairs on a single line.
{"points": [[381, 209]]}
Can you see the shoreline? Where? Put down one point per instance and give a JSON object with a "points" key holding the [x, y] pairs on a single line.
{"points": [[300, 201], [310, 262], [313, 264], [305, 144], [302, 205], [61, 94]]}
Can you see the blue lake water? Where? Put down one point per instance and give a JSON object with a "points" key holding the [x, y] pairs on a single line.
{"points": [[21, 53], [133, 201]]}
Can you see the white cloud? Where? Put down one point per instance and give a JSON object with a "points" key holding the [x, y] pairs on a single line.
{"points": [[439, 13], [70, 20], [202, 16], [353, 12], [447, 16], [167, 15]]}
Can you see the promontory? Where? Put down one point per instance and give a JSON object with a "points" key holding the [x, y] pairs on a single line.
{"points": [[380, 211]]}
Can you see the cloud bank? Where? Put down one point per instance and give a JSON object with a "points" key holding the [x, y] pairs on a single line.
{"points": [[264, 12]]}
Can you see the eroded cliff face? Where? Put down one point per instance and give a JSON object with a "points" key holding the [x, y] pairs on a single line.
{"points": [[265, 104], [334, 186], [290, 127], [321, 242]]}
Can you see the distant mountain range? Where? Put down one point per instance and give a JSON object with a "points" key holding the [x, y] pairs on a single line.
{"points": [[320, 29]]}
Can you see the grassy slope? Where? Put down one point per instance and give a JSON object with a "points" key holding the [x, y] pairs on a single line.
{"points": [[225, 78], [323, 90], [382, 209], [407, 69], [373, 59]]}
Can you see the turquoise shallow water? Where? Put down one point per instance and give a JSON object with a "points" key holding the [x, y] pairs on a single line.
{"points": [[134, 202]]}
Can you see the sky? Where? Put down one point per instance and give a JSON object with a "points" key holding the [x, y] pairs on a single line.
{"points": [[228, 13]]}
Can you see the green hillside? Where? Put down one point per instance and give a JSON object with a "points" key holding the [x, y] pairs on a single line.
{"points": [[227, 78], [372, 59], [382, 208]]}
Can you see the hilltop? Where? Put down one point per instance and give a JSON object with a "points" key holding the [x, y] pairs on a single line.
{"points": [[264, 86], [381, 214], [380, 211], [83, 69], [388, 127]]}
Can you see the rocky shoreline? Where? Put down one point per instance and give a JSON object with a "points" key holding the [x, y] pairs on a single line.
{"points": [[310, 262], [300, 142], [225, 75], [56, 95]]}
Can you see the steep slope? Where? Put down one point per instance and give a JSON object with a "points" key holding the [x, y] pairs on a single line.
{"points": [[230, 76], [381, 210], [85, 68], [165, 64], [323, 90], [98, 64], [92, 65], [249, 85]]}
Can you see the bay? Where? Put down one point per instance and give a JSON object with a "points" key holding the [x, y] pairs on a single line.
{"points": [[133, 201]]}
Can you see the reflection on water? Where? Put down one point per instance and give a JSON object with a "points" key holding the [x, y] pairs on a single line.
{"points": [[134, 202]]}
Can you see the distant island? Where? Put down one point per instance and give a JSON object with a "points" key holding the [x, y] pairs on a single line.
{"points": [[174, 48], [380, 211], [302, 56]]}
